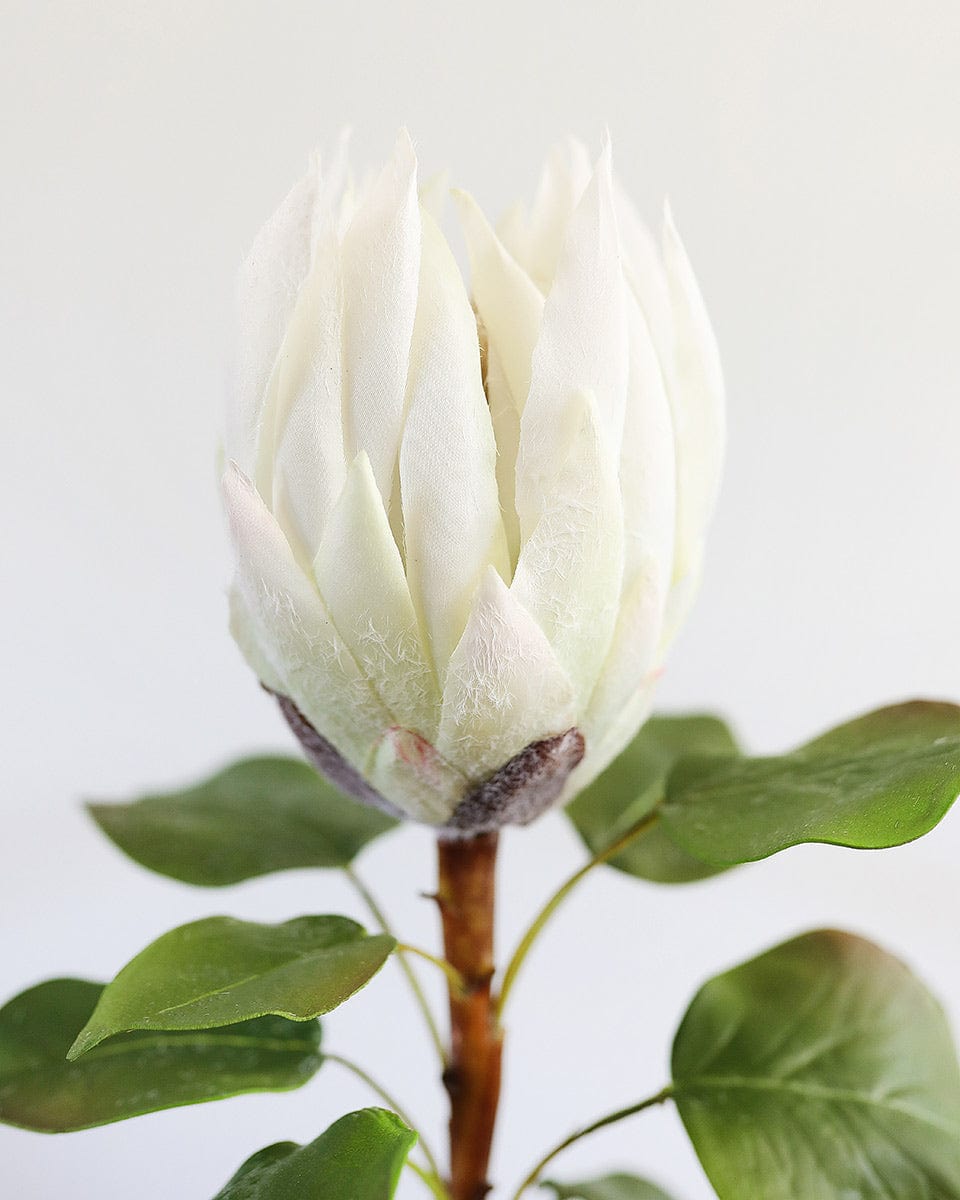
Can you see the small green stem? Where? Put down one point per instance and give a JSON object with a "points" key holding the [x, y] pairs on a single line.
{"points": [[526, 942], [454, 978], [430, 1180], [660, 1098], [411, 976], [389, 1100]]}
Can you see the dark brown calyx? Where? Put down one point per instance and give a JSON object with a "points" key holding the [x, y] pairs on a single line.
{"points": [[523, 788], [516, 794]]}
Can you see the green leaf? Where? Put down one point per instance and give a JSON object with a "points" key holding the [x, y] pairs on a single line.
{"points": [[635, 783], [358, 1158], [821, 1069], [257, 816], [878, 781], [610, 1187], [219, 971], [134, 1073]]}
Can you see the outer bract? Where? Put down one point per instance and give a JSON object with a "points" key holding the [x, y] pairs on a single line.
{"points": [[467, 522]]}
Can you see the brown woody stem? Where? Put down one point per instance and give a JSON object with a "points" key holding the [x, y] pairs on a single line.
{"points": [[465, 894]]}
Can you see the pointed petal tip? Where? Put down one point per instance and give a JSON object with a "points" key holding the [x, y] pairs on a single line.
{"points": [[434, 193], [361, 468], [669, 232], [674, 251], [601, 180], [606, 146], [492, 586], [577, 147], [233, 479], [403, 148], [473, 220]]}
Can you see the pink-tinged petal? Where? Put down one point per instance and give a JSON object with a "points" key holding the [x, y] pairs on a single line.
{"points": [[410, 770]]}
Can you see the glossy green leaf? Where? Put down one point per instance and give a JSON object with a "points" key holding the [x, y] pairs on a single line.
{"points": [[134, 1073], [635, 783], [257, 816], [358, 1158], [219, 971], [821, 1069], [610, 1187], [878, 781]]}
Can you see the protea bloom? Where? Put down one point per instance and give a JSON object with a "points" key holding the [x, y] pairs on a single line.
{"points": [[467, 520]]}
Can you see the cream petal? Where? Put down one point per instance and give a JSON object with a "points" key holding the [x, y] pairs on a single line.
{"points": [[244, 632], [601, 753], [509, 305], [381, 262], [300, 461], [504, 687], [361, 578], [451, 512], [644, 272], [268, 284], [631, 659], [513, 230], [566, 176], [648, 486], [647, 463], [510, 309], [697, 395], [570, 571], [294, 631], [331, 188], [582, 345], [433, 194], [505, 420]]}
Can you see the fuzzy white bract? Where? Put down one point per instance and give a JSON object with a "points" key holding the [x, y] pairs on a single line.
{"points": [[467, 518]]}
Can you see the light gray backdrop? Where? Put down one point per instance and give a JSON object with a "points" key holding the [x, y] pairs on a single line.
{"points": [[811, 154]]}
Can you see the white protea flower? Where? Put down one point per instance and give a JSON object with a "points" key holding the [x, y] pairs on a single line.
{"points": [[467, 522]]}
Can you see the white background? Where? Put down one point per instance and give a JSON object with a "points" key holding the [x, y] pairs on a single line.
{"points": [[811, 155]]}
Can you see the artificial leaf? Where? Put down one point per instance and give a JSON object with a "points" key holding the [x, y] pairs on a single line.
{"points": [[257, 816], [358, 1158], [219, 971], [635, 783], [821, 1069], [881, 780], [134, 1073], [610, 1187]]}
